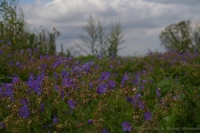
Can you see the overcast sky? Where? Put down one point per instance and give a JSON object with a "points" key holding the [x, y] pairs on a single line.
{"points": [[141, 20]]}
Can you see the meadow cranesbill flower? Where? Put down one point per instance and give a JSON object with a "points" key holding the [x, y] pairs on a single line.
{"points": [[15, 79], [64, 73], [147, 116], [67, 82], [1, 52], [105, 75], [158, 92], [126, 126], [102, 88], [55, 75], [18, 64], [62, 94], [137, 96], [90, 121], [24, 112], [111, 84], [137, 79], [176, 97], [35, 84], [29, 50], [100, 57], [56, 87], [104, 130], [86, 67], [71, 103], [6, 90], [124, 78], [134, 102], [129, 99], [90, 85], [42, 107], [141, 104], [55, 120], [24, 101], [76, 68], [2, 125], [56, 64], [141, 87]]}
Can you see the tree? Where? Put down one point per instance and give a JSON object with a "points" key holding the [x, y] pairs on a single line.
{"points": [[115, 39], [13, 28], [99, 42], [91, 29], [181, 37]]}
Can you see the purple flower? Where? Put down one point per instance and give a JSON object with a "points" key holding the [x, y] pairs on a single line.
{"points": [[24, 112], [24, 101], [36, 84], [86, 67], [56, 87], [141, 87], [42, 107], [55, 75], [125, 77], [76, 69], [105, 75], [6, 90], [126, 126], [1, 52], [29, 50], [62, 94], [147, 116], [104, 130], [67, 82], [111, 84], [15, 79], [141, 104], [90, 121], [129, 99], [55, 120], [2, 125], [100, 57], [64, 74], [137, 96], [72, 104], [102, 88], [18, 64], [56, 64], [176, 97], [134, 102], [90, 85], [158, 92]]}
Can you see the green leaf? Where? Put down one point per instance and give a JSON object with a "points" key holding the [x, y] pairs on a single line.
{"points": [[166, 118]]}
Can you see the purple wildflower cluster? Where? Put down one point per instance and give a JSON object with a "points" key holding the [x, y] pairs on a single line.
{"points": [[136, 101], [35, 84], [62, 96]]}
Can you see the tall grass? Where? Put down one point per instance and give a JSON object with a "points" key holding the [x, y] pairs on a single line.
{"points": [[155, 93]]}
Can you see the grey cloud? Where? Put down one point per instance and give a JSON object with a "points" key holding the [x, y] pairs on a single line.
{"points": [[141, 20]]}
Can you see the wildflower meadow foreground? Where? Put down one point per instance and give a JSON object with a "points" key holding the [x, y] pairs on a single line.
{"points": [[159, 92]]}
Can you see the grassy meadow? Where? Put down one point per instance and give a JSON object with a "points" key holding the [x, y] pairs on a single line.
{"points": [[158, 92]]}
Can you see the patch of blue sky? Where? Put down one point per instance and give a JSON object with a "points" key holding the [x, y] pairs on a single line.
{"points": [[31, 1]]}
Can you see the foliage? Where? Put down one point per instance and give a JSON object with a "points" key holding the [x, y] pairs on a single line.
{"points": [[153, 93], [13, 28], [181, 37], [100, 43]]}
